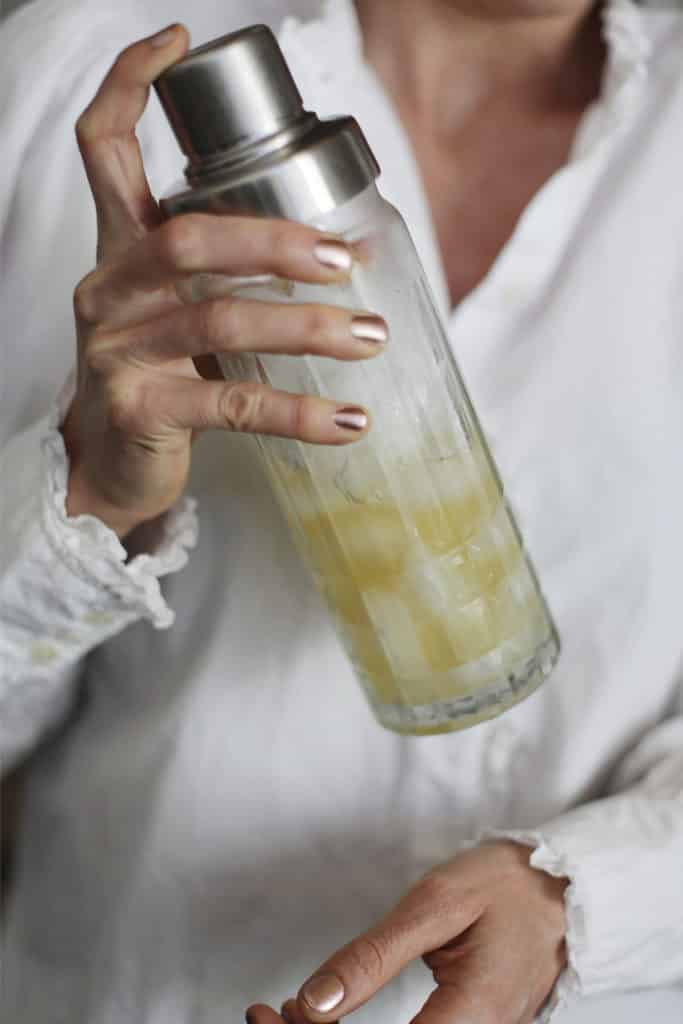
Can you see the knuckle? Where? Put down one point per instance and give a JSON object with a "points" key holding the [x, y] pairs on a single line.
{"points": [[82, 127], [208, 323], [317, 326], [84, 304], [299, 406], [437, 894], [100, 353], [123, 70], [180, 242], [240, 406], [125, 57], [219, 322], [86, 124], [128, 406], [369, 956], [433, 890], [279, 243]]}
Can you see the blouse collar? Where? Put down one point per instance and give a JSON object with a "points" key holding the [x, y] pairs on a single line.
{"points": [[329, 65], [628, 52]]}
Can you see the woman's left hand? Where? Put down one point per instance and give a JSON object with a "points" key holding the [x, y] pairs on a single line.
{"points": [[490, 928]]}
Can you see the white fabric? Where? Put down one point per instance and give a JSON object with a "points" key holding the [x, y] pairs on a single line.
{"points": [[219, 810]]}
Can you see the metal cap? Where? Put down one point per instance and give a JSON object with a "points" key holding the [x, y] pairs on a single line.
{"points": [[234, 91], [238, 116]]}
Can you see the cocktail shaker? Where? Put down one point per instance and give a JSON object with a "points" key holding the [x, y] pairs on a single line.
{"points": [[407, 532]]}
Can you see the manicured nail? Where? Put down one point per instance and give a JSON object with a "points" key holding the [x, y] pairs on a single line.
{"points": [[370, 328], [164, 38], [351, 418], [335, 255], [323, 993]]}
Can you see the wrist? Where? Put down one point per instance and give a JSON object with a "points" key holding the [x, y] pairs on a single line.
{"points": [[549, 889], [82, 499]]}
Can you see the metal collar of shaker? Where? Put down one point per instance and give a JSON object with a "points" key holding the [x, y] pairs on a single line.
{"points": [[303, 180]]}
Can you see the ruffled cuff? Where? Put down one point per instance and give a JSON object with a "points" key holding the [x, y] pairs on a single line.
{"points": [[623, 857], [65, 584], [568, 988], [95, 555]]}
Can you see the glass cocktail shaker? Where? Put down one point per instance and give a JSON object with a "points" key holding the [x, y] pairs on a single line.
{"points": [[407, 532]]}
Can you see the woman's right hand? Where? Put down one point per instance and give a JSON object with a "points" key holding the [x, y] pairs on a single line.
{"points": [[140, 398]]}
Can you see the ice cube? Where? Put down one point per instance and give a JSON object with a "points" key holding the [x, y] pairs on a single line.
{"points": [[441, 582], [374, 539], [397, 632], [514, 603], [482, 674], [471, 629], [370, 661]]}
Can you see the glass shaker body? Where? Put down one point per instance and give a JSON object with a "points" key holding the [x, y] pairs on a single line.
{"points": [[406, 532]]}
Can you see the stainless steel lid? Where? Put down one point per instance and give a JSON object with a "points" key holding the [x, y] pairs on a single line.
{"points": [[252, 148]]}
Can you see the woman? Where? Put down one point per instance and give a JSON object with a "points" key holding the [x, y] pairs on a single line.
{"points": [[212, 810]]}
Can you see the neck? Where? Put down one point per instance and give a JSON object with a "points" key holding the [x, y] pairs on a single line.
{"points": [[459, 55]]}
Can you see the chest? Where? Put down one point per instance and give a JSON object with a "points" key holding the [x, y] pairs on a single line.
{"points": [[479, 182]]}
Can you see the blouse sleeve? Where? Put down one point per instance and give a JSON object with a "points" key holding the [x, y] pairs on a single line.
{"points": [[623, 855], [65, 585]]}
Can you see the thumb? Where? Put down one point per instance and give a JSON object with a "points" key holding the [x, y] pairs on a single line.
{"points": [[105, 132], [430, 915]]}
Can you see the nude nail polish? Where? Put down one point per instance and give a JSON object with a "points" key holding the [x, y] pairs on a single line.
{"points": [[370, 328], [334, 255], [323, 993], [351, 418]]}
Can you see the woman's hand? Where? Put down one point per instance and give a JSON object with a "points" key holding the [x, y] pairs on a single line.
{"points": [[490, 928], [140, 398]]}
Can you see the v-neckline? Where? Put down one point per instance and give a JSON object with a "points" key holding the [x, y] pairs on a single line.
{"points": [[342, 70]]}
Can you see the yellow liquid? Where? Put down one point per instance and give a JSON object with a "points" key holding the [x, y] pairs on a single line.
{"points": [[434, 601]]}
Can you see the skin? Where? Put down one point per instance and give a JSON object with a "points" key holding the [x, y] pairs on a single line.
{"points": [[489, 928], [490, 93], [140, 398]]}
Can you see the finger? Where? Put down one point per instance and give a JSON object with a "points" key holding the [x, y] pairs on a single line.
{"points": [[259, 1013], [432, 914], [106, 137], [198, 242], [245, 407], [292, 1014], [247, 325]]}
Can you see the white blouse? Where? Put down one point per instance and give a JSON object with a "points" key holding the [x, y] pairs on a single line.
{"points": [[211, 808]]}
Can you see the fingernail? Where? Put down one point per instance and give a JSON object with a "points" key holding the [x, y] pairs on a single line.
{"points": [[323, 993], [351, 418], [370, 328], [335, 255], [164, 38]]}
